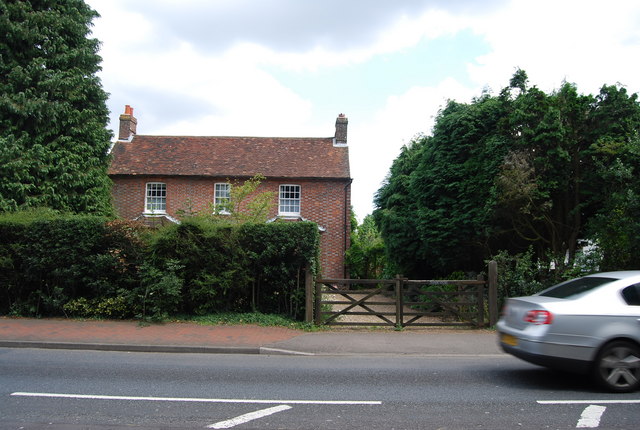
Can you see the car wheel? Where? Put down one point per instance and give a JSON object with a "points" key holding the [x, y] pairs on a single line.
{"points": [[617, 367]]}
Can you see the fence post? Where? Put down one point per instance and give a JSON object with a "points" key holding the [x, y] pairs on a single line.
{"points": [[318, 298], [493, 293], [399, 301], [308, 290], [480, 300]]}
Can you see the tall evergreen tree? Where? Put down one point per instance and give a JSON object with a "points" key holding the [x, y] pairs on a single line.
{"points": [[53, 115], [523, 169]]}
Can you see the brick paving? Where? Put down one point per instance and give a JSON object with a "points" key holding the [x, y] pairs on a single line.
{"points": [[135, 333]]}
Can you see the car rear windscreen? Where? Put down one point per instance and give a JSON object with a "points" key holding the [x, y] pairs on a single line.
{"points": [[575, 287]]}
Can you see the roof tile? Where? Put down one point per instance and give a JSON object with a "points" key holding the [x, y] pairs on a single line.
{"points": [[230, 157]]}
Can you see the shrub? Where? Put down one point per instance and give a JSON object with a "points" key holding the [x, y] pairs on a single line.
{"points": [[518, 275], [51, 260], [279, 253], [159, 294], [240, 268], [523, 274], [110, 307], [214, 267], [94, 267]]}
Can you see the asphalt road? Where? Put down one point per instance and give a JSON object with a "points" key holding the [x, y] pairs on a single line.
{"points": [[114, 390]]}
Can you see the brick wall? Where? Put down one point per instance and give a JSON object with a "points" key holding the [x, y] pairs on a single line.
{"points": [[321, 201]]}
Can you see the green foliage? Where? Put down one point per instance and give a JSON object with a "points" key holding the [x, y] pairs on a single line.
{"points": [[279, 253], [518, 275], [214, 265], [160, 290], [110, 307], [255, 318], [53, 114], [240, 267], [395, 215], [434, 209], [524, 274], [616, 228], [366, 255], [89, 266], [245, 205], [50, 261], [522, 170]]}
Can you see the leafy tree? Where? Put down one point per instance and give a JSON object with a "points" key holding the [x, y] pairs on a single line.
{"points": [[53, 115], [545, 176], [521, 170], [395, 216], [366, 257], [433, 211], [615, 228], [245, 204]]}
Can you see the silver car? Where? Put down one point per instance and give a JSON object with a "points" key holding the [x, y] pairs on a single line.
{"points": [[589, 325]]}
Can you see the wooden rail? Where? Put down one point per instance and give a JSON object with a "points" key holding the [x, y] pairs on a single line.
{"points": [[401, 302]]}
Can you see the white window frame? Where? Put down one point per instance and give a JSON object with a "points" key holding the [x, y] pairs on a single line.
{"points": [[287, 202], [155, 203], [218, 198]]}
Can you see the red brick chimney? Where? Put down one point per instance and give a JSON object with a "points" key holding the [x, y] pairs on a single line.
{"points": [[341, 130], [128, 124]]}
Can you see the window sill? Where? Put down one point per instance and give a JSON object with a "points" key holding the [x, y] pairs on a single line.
{"points": [[289, 216]]}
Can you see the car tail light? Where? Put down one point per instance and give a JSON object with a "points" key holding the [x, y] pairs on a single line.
{"points": [[539, 317]]}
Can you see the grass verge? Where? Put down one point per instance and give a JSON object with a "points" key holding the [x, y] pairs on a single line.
{"points": [[256, 318]]}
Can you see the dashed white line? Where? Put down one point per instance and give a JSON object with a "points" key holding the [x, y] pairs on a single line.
{"points": [[248, 417], [590, 417], [588, 402], [200, 400]]}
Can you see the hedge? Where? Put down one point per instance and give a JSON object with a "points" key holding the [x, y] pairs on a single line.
{"points": [[94, 267]]}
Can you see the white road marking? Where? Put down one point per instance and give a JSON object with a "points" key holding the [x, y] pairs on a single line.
{"points": [[588, 402], [590, 417], [248, 417], [266, 350], [198, 400]]}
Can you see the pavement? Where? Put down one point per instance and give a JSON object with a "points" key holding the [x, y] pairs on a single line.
{"points": [[179, 337]]}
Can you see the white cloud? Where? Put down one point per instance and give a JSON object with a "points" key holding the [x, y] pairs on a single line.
{"points": [[376, 143], [580, 41]]}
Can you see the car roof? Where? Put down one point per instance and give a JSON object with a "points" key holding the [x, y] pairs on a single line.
{"points": [[623, 274]]}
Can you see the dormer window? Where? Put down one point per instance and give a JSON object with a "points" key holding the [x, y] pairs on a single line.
{"points": [[289, 202], [156, 198]]}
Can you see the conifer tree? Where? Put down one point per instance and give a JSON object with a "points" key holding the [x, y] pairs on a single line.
{"points": [[53, 115]]}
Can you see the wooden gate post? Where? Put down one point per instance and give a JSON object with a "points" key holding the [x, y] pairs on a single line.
{"points": [[493, 293], [399, 302], [480, 300], [308, 290], [317, 308]]}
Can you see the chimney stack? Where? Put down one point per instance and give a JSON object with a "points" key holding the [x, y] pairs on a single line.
{"points": [[128, 124], [341, 130]]}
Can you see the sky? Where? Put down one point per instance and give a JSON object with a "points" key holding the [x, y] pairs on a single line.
{"points": [[288, 68]]}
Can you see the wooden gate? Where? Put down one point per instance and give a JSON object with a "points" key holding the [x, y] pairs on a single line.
{"points": [[401, 302]]}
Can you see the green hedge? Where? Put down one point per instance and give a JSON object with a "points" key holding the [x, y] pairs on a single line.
{"points": [[89, 266], [50, 261], [256, 267]]}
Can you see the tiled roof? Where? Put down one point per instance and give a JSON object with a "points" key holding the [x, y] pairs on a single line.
{"points": [[230, 157]]}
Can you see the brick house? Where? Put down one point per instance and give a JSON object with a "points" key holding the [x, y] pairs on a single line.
{"points": [[155, 176]]}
